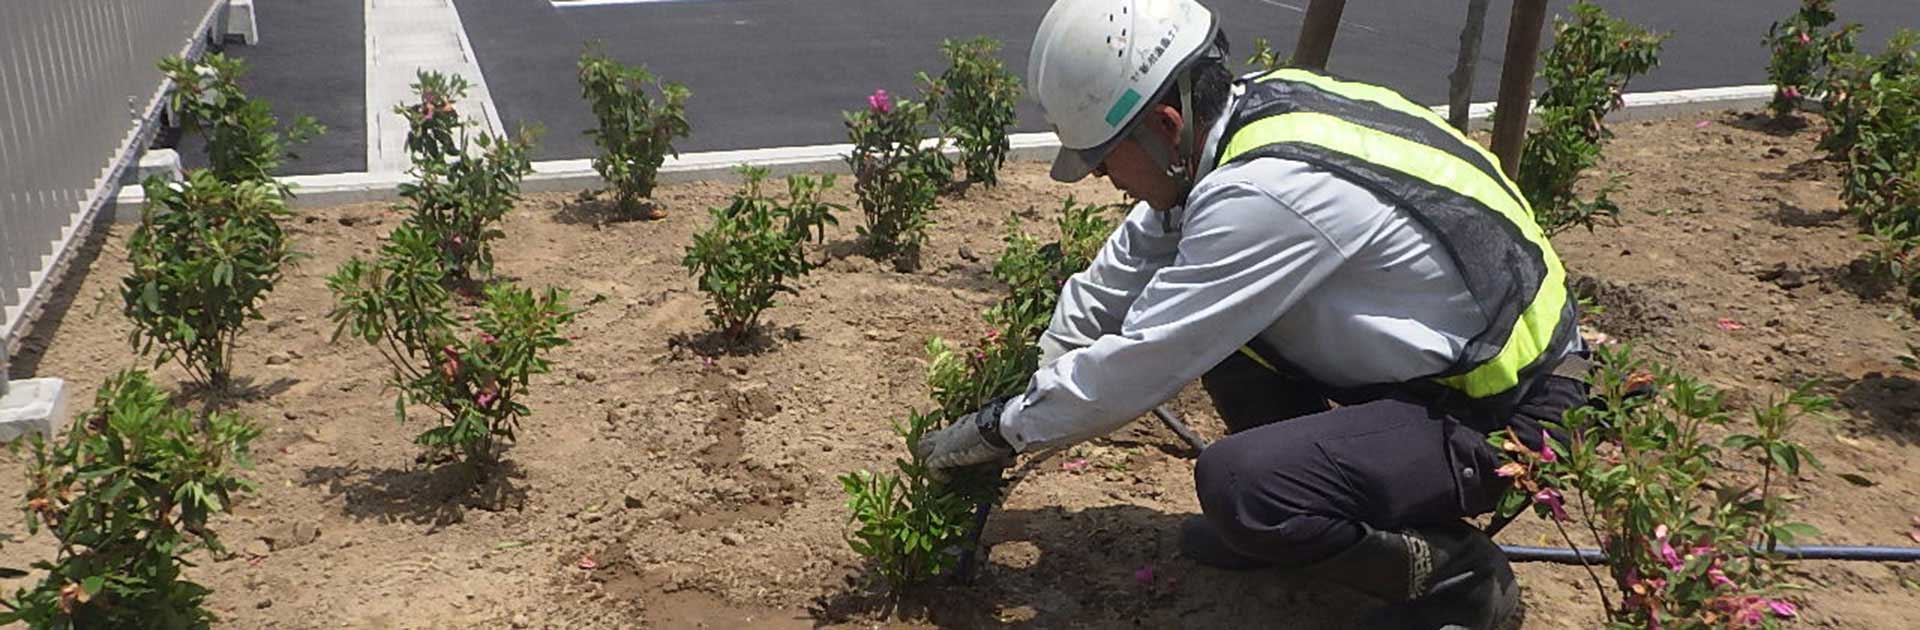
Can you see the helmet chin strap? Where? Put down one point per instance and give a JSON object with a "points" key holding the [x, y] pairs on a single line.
{"points": [[1180, 171]]}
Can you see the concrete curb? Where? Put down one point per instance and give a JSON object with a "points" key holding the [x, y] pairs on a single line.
{"points": [[564, 175]]}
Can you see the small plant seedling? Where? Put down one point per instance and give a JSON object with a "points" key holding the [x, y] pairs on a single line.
{"points": [[466, 183], [897, 180], [1688, 545], [975, 100], [244, 140], [755, 249], [1265, 58], [636, 131], [910, 526], [127, 493], [206, 253], [1586, 72], [1803, 52], [474, 381]]}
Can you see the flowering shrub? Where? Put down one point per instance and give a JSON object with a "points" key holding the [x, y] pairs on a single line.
{"points": [[1687, 546], [473, 380], [1873, 104], [1803, 52], [206, 253], [909, 523], [127, 492], [636, 131], [465, 184], [975, 98], [755, 248], [244, 142], [896, 179], [1586, 72]]}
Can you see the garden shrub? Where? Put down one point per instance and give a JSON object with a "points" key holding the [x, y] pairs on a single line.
{"points": [[205, 255], [755, 249], [636, 131], [909, 523], [1688, 544], [473, 380], [896, 179], [1586, 71], [465, 183], [244, 141], [126, 494], [1803, 52], [975, 100], [1873, 105]]}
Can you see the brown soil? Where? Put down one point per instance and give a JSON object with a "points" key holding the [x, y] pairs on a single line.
{"points": [[701, 491]]}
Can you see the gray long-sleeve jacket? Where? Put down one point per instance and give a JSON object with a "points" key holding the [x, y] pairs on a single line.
{"points": [[1346, 286]]}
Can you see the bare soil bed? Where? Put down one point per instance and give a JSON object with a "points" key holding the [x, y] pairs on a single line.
{"points": [[656, 487]]}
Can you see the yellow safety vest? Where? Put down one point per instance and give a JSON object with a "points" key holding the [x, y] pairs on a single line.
{"points": [[1406, 154]]}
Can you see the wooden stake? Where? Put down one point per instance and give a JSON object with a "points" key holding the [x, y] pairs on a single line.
{"points": [[1316, 34], [1516, 82], [1460, 93]]}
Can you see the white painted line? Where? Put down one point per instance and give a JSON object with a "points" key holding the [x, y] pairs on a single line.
{"points": [[484, 96], [578, 174]]}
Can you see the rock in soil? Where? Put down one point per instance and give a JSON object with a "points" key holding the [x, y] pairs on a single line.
{"points": [[290, 536]]}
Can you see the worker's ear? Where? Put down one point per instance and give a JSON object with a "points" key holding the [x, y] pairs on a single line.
{"points": [[1167, 121]]}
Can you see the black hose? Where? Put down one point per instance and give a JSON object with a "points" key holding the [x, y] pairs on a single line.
{"points": [[1562, 555]]}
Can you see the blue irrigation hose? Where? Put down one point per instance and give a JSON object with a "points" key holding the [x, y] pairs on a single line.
{"points": [[1562, 555]]}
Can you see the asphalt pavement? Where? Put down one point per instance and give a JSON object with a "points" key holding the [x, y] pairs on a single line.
{"points": [[780, 72], [311, 60]]}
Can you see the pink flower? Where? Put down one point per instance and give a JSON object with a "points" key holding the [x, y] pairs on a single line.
{"points": [[1791, 92], [486, 397], [879, 103], [1546, 448], [1667, 554], [1718, 577], [1551, 498], [1804, 39], [1783, 608], [486, 338]]}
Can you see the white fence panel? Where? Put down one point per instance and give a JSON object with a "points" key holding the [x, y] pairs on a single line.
{"points": [[79, 94]]}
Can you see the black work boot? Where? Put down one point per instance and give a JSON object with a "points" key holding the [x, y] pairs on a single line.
{"points": [[1446, 577], [1202, 543]]}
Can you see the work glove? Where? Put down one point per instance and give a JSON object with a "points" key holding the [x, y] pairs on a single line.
{"points": [[974, 439]]}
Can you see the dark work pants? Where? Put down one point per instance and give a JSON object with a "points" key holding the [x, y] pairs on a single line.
{"points": [[1299, 491]]}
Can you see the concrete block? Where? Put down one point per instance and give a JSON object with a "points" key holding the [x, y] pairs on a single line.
{"points": [[35, 405], [240, 22], [162, 162]]}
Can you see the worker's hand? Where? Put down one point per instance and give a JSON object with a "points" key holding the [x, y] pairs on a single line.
{"points": [[973, 440]]}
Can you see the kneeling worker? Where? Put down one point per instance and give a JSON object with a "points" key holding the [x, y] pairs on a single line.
{"points": [[1301, 238]]}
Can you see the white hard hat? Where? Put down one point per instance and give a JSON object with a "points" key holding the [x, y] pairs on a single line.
{"points": [[1097, 63]]}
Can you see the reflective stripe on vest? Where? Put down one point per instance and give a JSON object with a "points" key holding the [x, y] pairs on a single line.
{"points": [[1375, 138]]}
